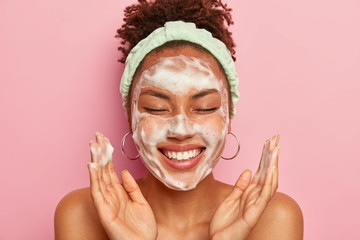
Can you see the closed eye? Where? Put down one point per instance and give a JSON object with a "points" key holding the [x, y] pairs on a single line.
{"points": [[154, 110], [206, 109]]}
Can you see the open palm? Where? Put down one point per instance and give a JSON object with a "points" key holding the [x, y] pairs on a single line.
{"points": [[123, 211], [241, 210]]}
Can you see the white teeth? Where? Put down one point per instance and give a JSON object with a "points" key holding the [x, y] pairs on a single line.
{"points": [[194, 153], [178, 156]]}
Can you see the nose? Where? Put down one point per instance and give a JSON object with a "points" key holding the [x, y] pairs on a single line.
{"points": [[180, 127]]}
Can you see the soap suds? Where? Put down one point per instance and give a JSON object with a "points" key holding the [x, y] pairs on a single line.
{"points": [[179, 75], [105, 156]]}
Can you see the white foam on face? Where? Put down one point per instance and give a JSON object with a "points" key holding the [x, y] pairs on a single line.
{"points": [[105, 155], [179, 75]]}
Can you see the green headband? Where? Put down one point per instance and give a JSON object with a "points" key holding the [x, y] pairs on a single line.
{"points": [[186, 31]]}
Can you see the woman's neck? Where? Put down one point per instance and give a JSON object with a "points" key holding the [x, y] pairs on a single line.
{"points": [[182, 208]]}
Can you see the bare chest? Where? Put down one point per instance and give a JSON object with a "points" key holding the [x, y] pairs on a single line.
{"points": [[196, 232]]}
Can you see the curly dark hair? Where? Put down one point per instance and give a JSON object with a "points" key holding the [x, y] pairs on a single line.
{"points": [[143, 18]]}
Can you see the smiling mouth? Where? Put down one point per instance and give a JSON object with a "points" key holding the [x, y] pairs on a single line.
{"points": [[182, 155]]}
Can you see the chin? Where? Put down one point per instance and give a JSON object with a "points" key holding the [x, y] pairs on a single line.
{"points": [[180, 186], [183, 180]]}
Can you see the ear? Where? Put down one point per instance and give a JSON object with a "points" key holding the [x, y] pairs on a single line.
{"points": [[128, 119], [229, 127], [130, 127]]}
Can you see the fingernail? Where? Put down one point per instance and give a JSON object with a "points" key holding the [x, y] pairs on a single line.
{"points": [[278, 136]]}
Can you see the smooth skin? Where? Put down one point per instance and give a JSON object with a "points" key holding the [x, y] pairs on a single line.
{"points": [[147, 209], [110, 210]]}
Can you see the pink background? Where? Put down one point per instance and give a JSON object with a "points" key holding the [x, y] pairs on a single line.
{"points": [[299, 68]]}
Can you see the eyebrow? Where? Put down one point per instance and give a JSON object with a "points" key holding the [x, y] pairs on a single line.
{"points": [[203, 93], [155, 94]]}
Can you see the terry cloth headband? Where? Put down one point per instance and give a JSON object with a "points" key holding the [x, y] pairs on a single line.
{"points": [[179, 30]]}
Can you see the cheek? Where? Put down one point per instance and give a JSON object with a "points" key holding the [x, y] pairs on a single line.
{"points": [[152, 129], [212, 128]]}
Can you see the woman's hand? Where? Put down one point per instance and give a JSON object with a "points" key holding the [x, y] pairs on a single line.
{"points": [[123, 211], [238, 214]]}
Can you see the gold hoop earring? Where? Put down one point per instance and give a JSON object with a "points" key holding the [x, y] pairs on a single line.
{"points": [[123, 148], [237, 152]]}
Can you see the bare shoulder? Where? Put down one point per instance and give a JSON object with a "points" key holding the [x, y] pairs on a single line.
{"points": [[282, 219], [76, 217]]}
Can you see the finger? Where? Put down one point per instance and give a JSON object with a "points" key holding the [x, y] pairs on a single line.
{"points": [[256, 178], [132, 188], [94, 184], [259, 175], [272, 146], [267, 161], [275, 180], [250, 196], [110, 188], [265, 194], [99, 160], [262, 160], [115, 181], [264, 155], [273, 143], [277, 139], [106, 175], [95, 150], [241, 184], [106, 148], [103, 186], [91, 154], [106, 155], [96, 153]]}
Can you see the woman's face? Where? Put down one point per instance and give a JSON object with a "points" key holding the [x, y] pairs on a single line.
{"points": [[180, 115]]}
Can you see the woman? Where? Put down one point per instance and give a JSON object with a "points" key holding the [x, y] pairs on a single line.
{"points": [[179, 88]]}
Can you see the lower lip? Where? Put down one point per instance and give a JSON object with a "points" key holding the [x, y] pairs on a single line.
{"points": [[183, 164]]}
